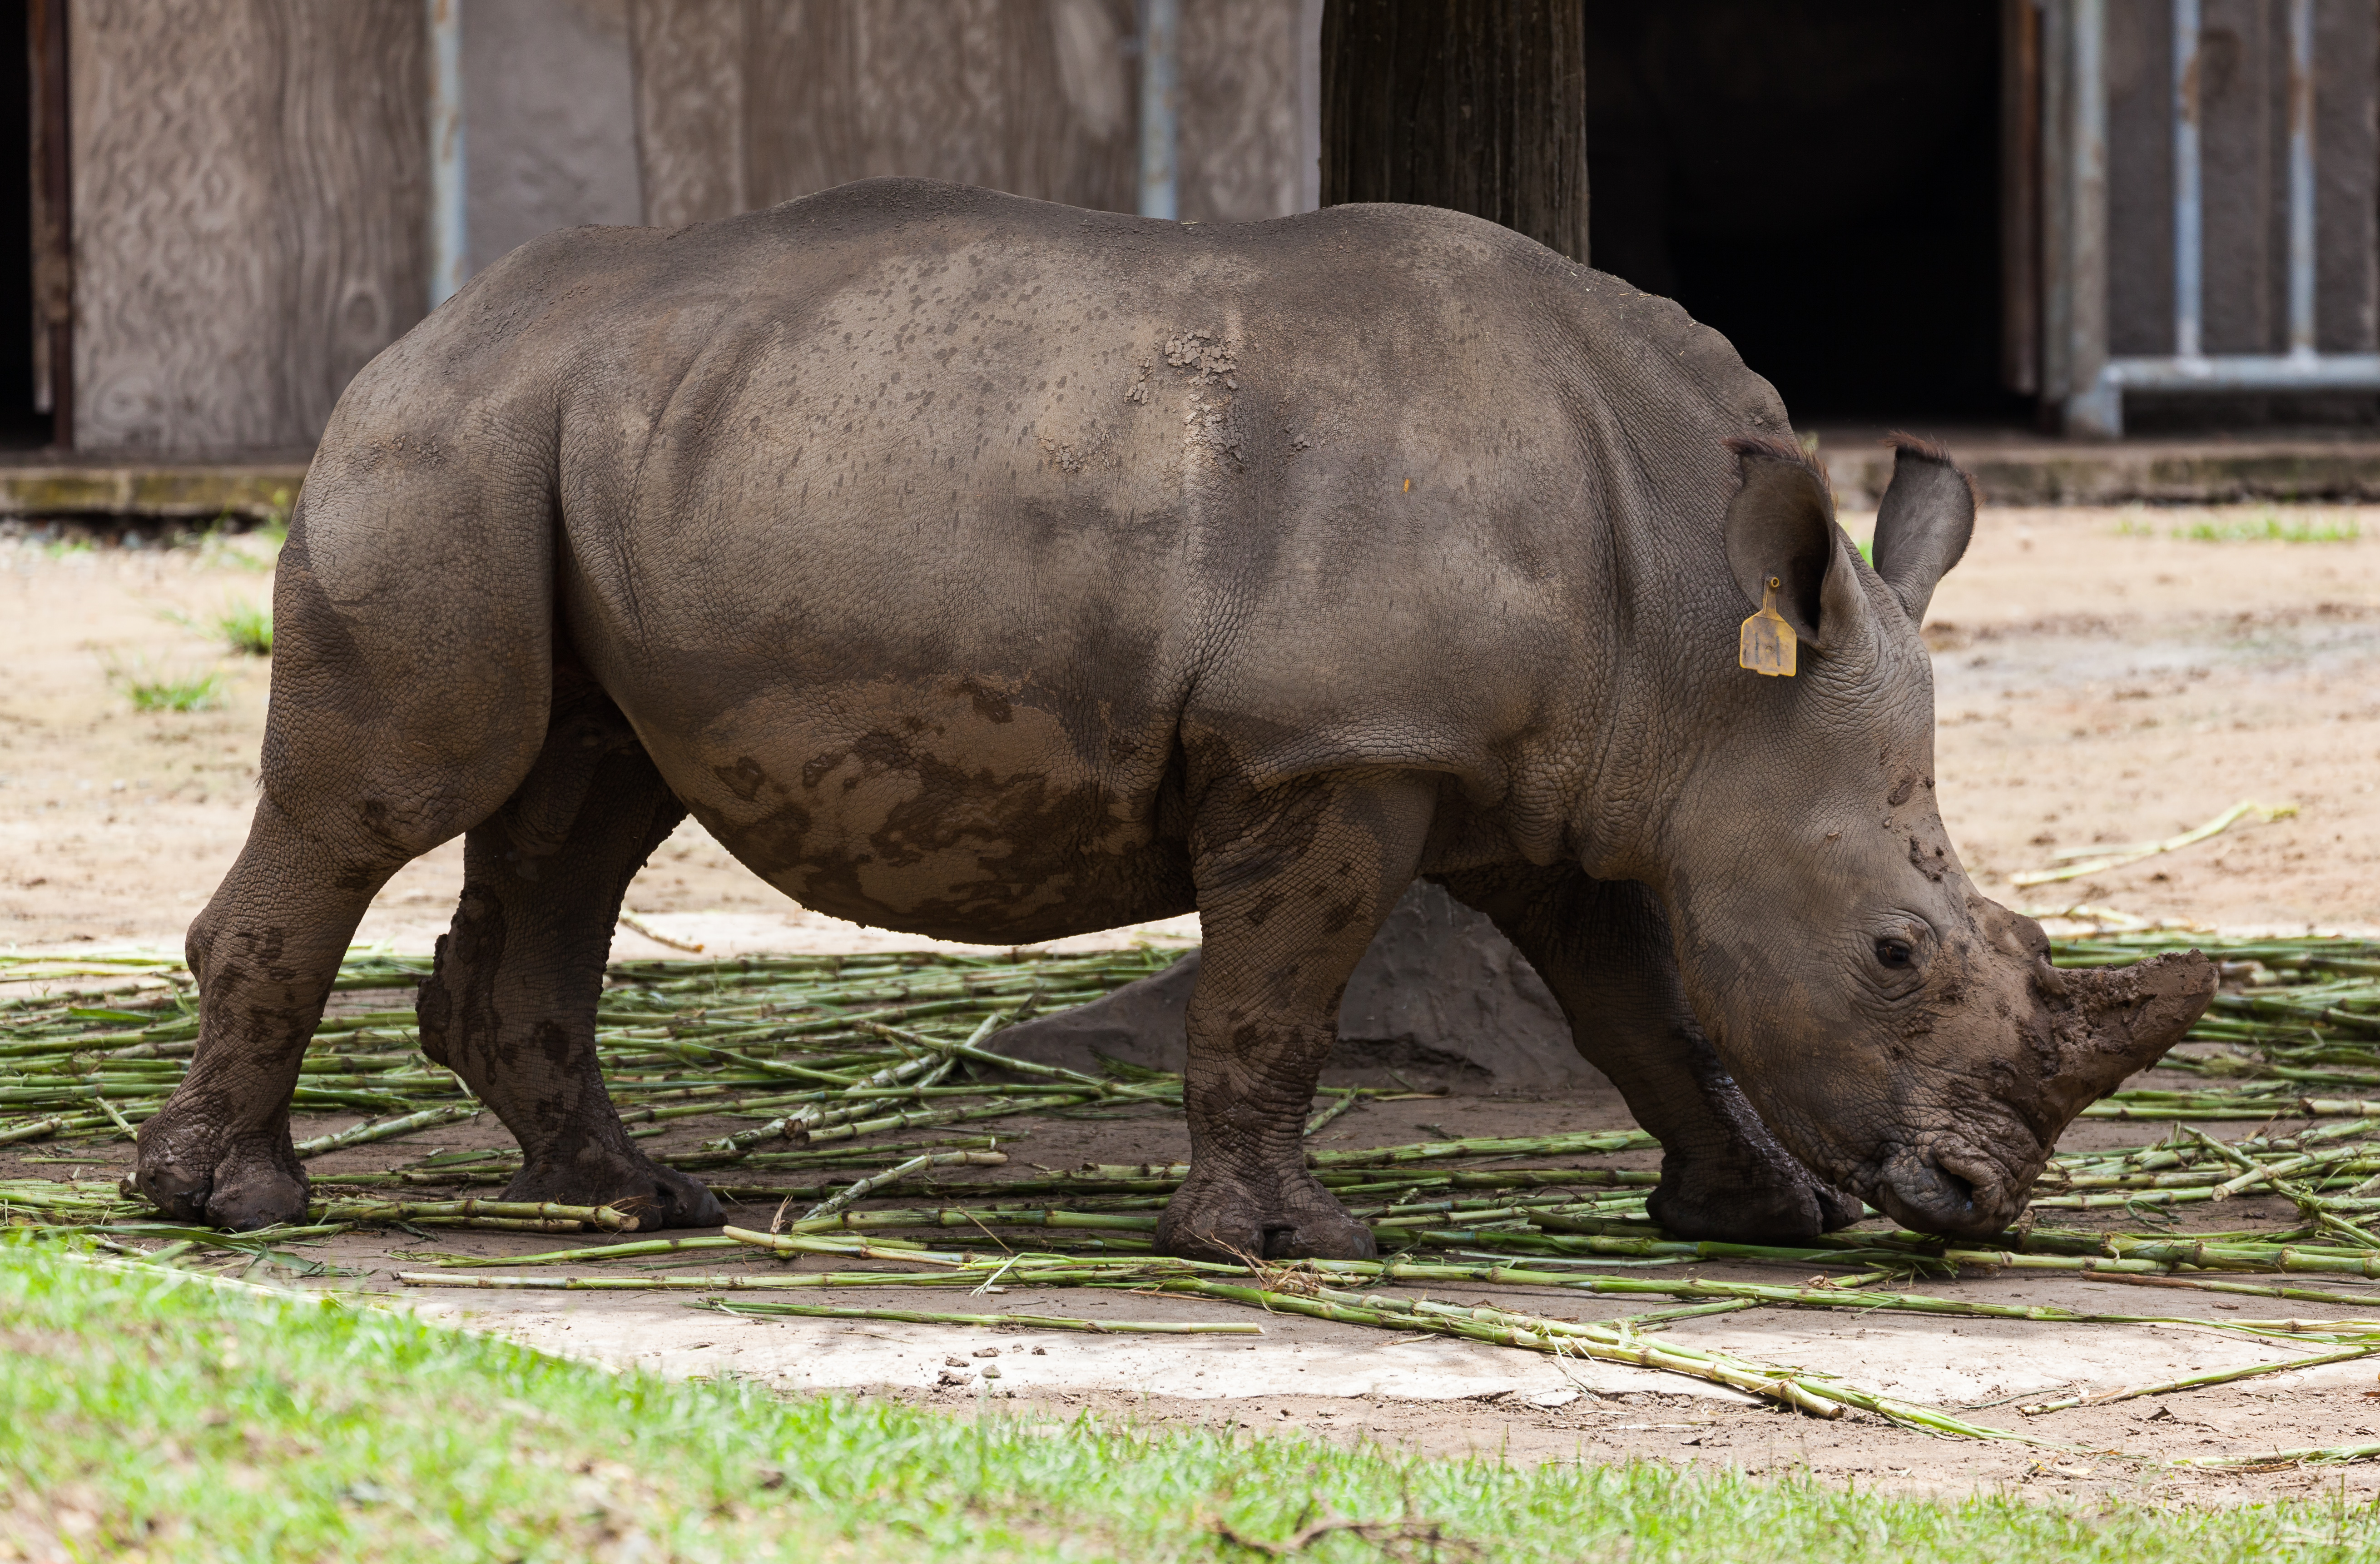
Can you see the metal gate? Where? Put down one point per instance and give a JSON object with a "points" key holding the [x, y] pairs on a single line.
{"points": [[2078, 373]]}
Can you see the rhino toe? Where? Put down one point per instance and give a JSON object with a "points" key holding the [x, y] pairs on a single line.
{"points": [[195, 1171], [1226, 1221], [630, 1182], [257, 1190], [1781, 1208], [1319, 1235]]}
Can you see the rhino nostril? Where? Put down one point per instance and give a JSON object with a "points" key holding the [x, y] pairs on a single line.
{"points": [[1960, 1190], [1933, 1194]]}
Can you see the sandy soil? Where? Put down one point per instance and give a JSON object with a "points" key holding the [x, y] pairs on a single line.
{"points": [[2099, 680], [115, 824]]}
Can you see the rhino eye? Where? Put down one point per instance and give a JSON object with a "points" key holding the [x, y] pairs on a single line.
{"points": [[1895, 952]]}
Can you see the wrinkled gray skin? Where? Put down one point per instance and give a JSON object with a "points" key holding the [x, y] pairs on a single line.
{"points": [[997, 571]]}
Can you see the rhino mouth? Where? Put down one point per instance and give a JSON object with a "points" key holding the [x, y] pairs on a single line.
{"points": [[1946, 1191]]}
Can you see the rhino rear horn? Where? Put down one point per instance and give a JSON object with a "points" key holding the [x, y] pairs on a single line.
{"points": [[2125, 1018], [1923, 523]]}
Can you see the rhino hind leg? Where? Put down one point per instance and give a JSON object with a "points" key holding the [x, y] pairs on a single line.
{"points": [[510, 1006], [264, 951], [1293, 883], [400, 715], [1603, 948]]}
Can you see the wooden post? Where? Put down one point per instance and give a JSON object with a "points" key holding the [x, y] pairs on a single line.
{"points": [[1479, 106], [2021, 196]]}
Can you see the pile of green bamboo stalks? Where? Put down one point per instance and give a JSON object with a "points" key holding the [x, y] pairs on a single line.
{"points": [[861, 1097]]}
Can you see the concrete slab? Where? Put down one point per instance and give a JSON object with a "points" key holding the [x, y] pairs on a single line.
{"points": [[54, 487], [1935, 1361], [1309, 1358], [2013, 468]]}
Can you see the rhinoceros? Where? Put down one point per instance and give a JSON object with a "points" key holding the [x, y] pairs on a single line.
{"points": [[990, 570]]}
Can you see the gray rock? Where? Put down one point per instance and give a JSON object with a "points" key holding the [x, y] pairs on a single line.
{"points": [[1440, 991]]}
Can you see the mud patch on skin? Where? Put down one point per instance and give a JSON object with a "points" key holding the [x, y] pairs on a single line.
{"points": [[475, 946], [1212, 359], [961, 804]]}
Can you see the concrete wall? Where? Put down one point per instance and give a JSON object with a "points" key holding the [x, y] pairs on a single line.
{"points": [[748, 103], [1251, 108]]}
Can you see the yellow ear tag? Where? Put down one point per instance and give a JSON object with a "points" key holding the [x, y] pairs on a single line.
{"points": [[1768, 644]]}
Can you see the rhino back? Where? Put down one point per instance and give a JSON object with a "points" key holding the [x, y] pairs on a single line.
{"points": [[967, 495]]}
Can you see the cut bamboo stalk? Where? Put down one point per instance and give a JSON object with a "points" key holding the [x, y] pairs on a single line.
{"points": [[1017, 1322]]}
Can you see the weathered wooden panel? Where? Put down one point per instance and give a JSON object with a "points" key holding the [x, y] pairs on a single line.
{"points": [[2346, 176], [551, 110], [744, 103], [53, 218], [1240, 132], [250, 199], [687, 58]]}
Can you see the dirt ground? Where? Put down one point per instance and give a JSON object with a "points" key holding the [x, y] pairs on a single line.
{"points": [[1436, 1396], [2099, 679]]}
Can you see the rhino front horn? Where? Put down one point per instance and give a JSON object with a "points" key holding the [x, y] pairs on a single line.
{"points": [[2125, 1018]]}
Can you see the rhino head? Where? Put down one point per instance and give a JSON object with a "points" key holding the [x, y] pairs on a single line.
{"points": [[1904, 1036]]}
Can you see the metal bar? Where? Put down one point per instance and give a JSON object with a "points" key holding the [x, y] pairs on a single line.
{"points": [[2056, 204], [2188, 232], [1160, 28], [2093, 407], [449, 253], [2246, 371], [53, 210], [1309, 104], [2301, 233]]}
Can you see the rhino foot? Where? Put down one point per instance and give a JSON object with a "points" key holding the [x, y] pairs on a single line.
{"points": [[1220, 1218], [1726, 1207], [628, 1180], [194, 1171]]}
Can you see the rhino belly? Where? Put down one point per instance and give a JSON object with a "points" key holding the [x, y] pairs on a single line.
{"points": [[930, 809]]}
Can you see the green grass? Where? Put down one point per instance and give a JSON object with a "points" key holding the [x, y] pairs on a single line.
{"points": [[152, 691], [146, 1409], [2273, 529], [245, 628], [2267, 527]]}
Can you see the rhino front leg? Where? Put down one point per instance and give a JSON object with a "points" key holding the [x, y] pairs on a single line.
{"points": [[511, 1004], [1293, 883], [1604, 949]]}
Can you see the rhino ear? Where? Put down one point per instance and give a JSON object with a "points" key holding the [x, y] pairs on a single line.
{"points": [[1923, 523], [1781, 525]]}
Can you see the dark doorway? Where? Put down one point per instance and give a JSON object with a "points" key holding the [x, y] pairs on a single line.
{"points": [[1818, 179], [19, 425]]}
